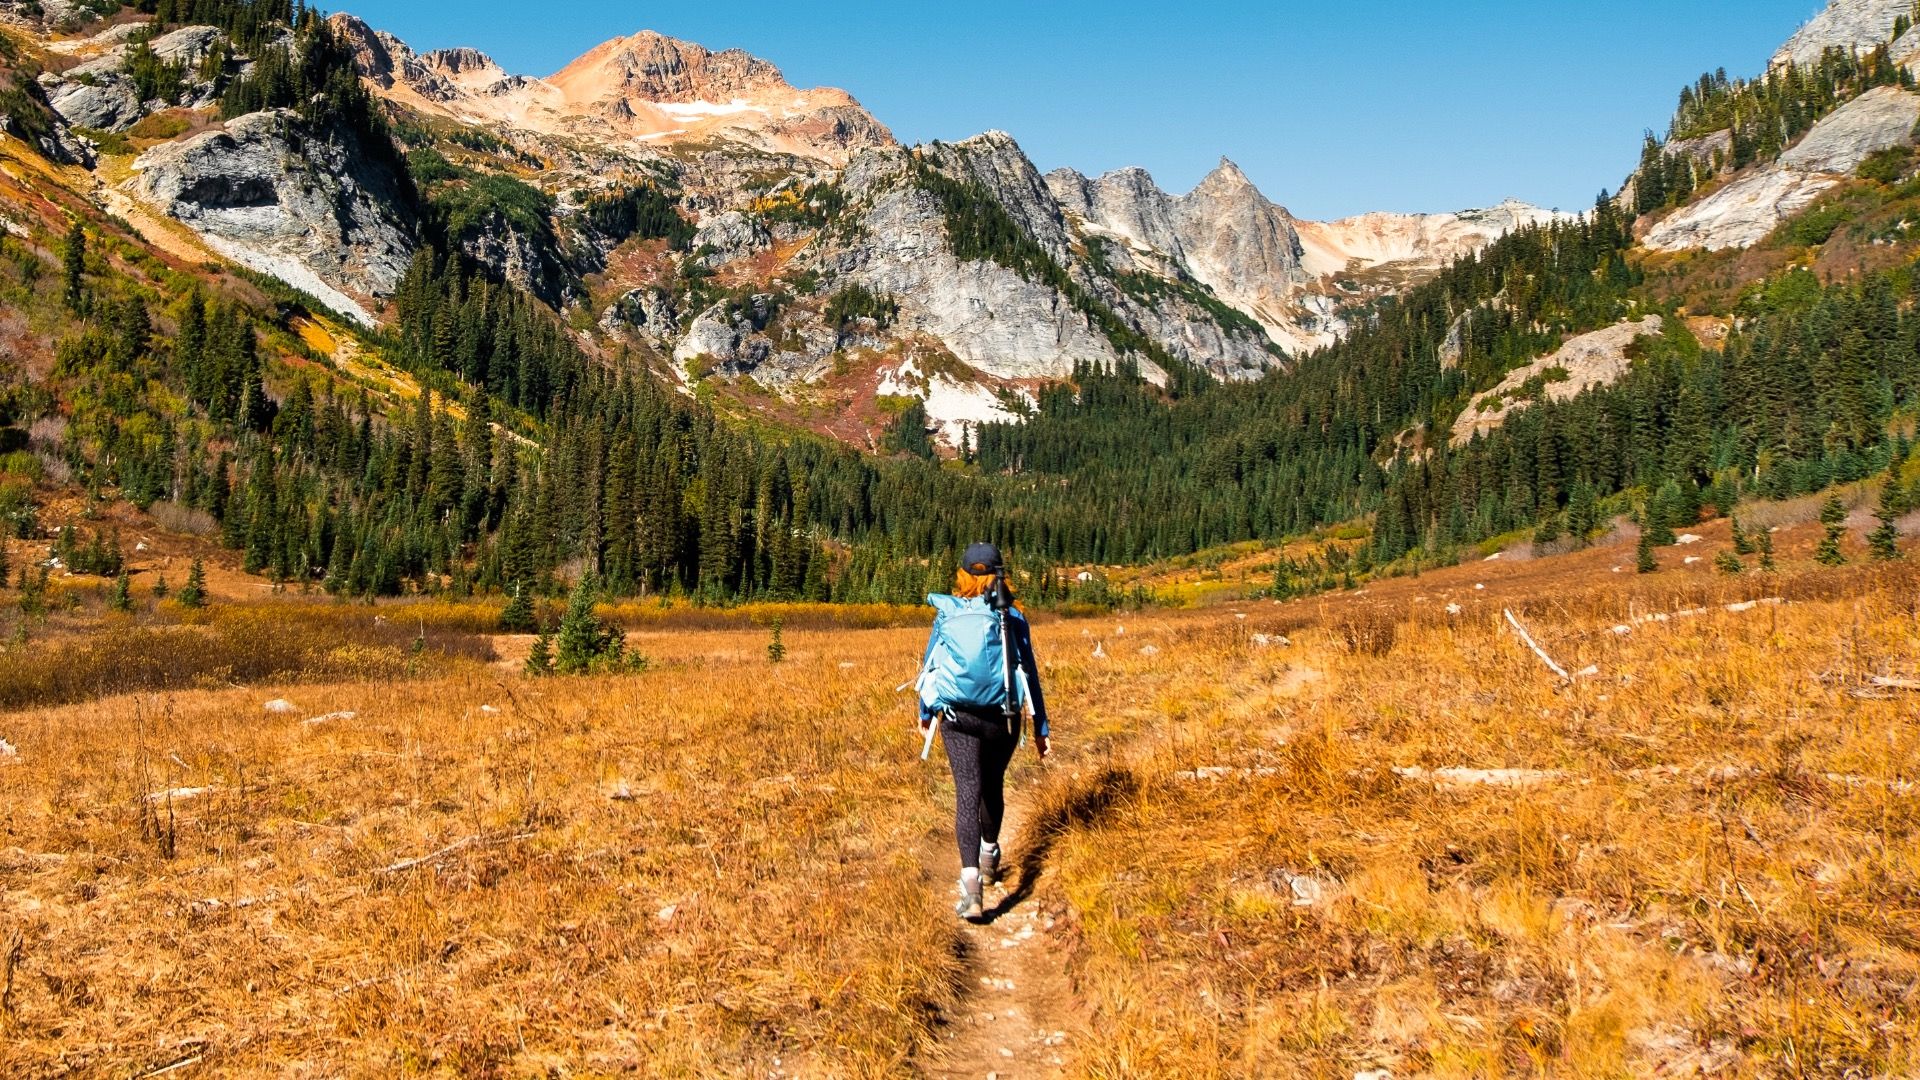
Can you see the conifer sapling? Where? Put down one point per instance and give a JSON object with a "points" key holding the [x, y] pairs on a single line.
{"points": [[1833, 516], [194, 593], [776, 649], [1886, 539]]}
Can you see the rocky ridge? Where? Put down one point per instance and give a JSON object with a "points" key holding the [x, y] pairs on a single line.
{"points": [[1290, 274], [1583, 362], [644, 89]]}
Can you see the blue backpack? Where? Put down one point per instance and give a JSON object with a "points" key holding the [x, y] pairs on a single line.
{"points": [[969, 664]]}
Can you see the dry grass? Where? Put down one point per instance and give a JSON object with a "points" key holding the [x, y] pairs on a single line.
{"points": [[1703, 859], [170, 648], [708, 868]]}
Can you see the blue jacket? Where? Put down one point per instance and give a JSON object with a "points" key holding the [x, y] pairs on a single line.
{"points": [[1022, 636]]}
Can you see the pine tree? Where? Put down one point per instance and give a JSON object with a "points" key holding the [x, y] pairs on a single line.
{"points": [[1833, 516], [540, 659], [1742, 542], [194, 593], [586, 644], [160, 589], [517, 617], [1583, 513], [1729, 563], [1765, 547], [1886, 539], [33, 592], [121, 598], [74, 258], [1656, 524], [1644, 562]]}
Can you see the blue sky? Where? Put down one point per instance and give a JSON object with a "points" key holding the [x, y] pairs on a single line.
{"points": [[1332, 107]]}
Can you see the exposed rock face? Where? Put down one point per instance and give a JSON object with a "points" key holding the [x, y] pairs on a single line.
{"points": [[284, 198], [729, 337], [1877, 120], [98, 94], [993, 318], [1744, 212], [1586, 361], [1124, 203], [523, 259], [48, 13], [1844, 24], [29, 117], [1242, 246], [1429, 241], [989, 316], [996, 161], [728, 236], [650, 311], [657, 68]]}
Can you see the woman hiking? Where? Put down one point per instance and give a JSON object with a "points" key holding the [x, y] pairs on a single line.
{"points": [[977, 673]]}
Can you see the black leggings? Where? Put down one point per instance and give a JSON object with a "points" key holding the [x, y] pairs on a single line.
{"points": [[979, 780]]}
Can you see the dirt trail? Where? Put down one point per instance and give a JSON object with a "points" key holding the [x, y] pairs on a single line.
{"points": [[1016, 1011]]}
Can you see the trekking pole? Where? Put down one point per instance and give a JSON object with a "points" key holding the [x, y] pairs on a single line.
{"points": [[926, 750]]}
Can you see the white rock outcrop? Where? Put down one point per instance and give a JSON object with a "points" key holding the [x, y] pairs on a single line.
{"points": [[276, 194], [1745, 211], [1596, 359]]}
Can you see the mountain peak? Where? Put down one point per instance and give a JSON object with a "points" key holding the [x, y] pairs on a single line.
{"points": [[1229, 171], [1227, 181], [656, 67]]}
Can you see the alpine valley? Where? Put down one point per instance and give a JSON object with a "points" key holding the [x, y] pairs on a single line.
{"points": [[397, 319], [460, 534]]}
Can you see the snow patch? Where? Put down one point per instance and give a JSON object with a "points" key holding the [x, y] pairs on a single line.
{"points": [[682, 110]]}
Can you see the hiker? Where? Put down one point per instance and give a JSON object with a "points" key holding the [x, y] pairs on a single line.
{"points": [[977, 673]]}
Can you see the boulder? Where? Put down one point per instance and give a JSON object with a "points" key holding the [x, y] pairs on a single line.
{"points": [[104, 103]]}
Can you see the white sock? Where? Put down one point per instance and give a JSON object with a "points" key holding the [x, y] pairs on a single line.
{"points": [[989, 849], [969, 876]]}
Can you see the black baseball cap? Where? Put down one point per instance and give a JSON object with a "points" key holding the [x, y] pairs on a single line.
{"points": [[981, 558]]}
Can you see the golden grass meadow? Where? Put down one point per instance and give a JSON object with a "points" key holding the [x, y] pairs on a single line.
{"points": [[1369, 834]]}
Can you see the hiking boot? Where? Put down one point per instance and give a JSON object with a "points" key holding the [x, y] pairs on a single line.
{"points": [[989, 864], [971, 907]]}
